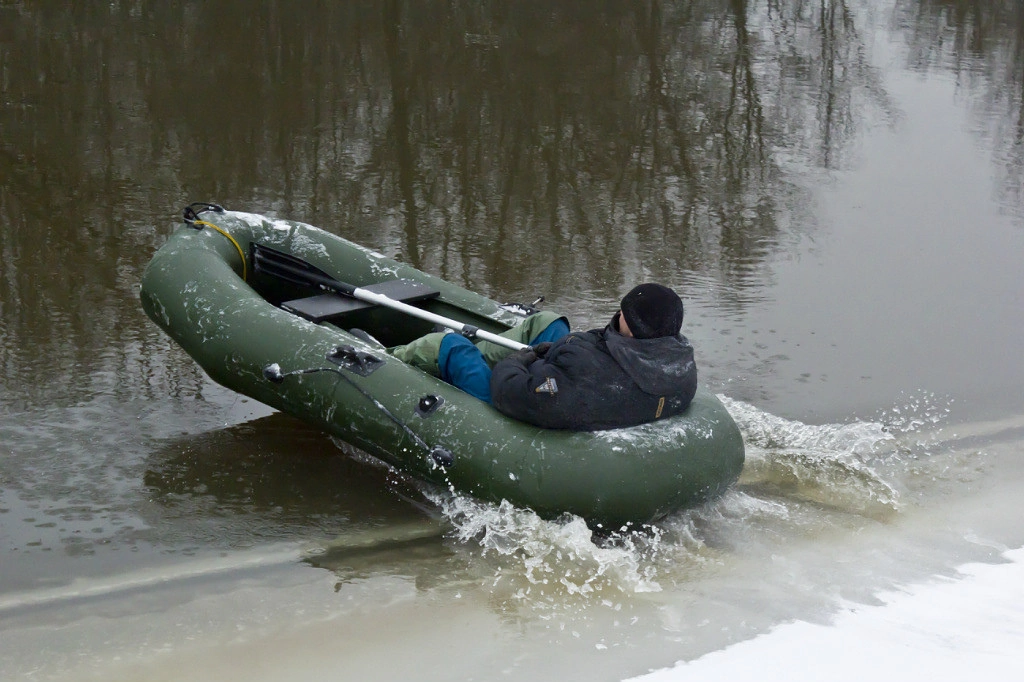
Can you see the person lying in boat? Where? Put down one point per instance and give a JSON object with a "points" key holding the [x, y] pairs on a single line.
{"points": [[637, 369]]}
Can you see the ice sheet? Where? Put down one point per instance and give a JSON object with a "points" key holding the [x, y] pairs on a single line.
{"points": [[971, 627]]}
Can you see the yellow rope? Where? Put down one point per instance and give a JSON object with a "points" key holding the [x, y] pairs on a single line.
{"points": [[230, 239]]}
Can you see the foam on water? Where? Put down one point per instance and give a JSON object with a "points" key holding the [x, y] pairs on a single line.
{"points": [[764, 430], [832, 465], [798, 478], [545, 563]]}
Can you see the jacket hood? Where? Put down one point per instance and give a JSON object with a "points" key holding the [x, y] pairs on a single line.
{"points": [[659, 366]]}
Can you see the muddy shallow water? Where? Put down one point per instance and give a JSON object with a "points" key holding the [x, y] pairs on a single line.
{"points": [[835, 190]]}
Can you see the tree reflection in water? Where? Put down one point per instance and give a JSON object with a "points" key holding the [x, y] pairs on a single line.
{"points": [[568, 149], [982, 43]]}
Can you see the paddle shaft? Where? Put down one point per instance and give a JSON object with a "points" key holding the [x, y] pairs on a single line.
{"points": [[468, 330]]}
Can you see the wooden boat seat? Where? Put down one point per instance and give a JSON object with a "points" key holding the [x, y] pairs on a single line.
{"points": [[328, 306]]}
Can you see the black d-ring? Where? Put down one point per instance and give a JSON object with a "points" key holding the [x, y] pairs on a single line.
{"points": [[192, 211]]}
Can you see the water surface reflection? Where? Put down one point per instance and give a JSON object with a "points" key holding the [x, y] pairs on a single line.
{"points": [[982, 45]]}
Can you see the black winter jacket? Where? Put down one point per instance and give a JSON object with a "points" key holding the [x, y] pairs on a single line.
{"points": [[595, 380]]}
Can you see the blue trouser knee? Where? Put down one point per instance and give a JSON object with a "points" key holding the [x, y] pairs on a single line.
{"points": [[463, 365]]}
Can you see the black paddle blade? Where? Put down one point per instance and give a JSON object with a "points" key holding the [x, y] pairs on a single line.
{"points": [[289, 268]]}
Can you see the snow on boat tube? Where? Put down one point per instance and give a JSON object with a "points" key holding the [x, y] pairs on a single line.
{"points": [[265, 330]]}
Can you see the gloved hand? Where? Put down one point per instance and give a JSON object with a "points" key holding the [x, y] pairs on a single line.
{"points": [[525, 357], [541, 349]]}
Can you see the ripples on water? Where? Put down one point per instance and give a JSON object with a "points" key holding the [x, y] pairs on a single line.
{"points": [[800, 481]]}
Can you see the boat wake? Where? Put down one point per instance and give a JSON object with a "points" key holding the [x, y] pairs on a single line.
{"points": [[835, 466], [799, 480], [551, 563]]}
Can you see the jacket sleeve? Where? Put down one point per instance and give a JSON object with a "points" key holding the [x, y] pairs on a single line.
{"points": [[527, 391]]}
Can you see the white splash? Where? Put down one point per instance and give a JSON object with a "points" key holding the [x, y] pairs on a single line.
{"points": [[766, 430], [832, 465], [305, 246], [542, 563], [251, 219]]}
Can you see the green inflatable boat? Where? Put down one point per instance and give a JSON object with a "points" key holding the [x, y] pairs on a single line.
{"points": [[267, 306]]}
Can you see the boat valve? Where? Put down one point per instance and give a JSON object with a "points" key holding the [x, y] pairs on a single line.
{"points": [[272, 372], [442, 457]]}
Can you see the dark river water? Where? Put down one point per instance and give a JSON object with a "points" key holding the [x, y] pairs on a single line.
{"points": [[835, 188]]}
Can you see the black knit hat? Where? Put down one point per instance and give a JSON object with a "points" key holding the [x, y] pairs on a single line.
{"points": [[652, 310]]}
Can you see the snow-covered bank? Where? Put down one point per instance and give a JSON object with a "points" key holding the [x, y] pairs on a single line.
{"points": [[968, 628]]}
